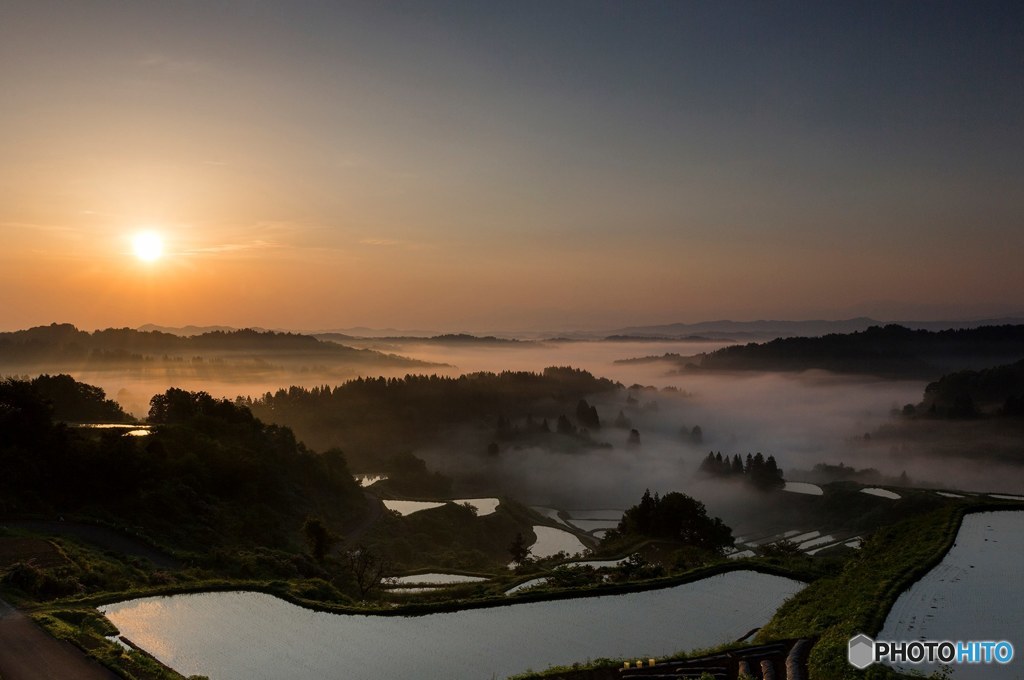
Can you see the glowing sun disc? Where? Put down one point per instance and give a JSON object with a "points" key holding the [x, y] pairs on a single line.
{"points": [[148, 246]]}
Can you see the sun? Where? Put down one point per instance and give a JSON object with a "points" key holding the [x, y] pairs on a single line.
{"points": [[148, 246]]}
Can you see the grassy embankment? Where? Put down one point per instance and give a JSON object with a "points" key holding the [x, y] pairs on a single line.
{"points": [[88, 630], [856, 599], [859, 598], [834, 607]]}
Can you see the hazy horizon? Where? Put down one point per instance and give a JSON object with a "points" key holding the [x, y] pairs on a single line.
{"points": [[537, 332]]}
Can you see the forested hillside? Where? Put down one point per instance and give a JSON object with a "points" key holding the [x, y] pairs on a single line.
{"points": [[892, 351], [210, 474], [372, 415], [59, 343]]}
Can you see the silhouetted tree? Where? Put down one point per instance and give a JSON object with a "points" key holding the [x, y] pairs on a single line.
{"points": [[519, 550], [587, 415], [564, 426], [678, 517], [503, 430], [708, 464], [319, 538], [367, 568]]}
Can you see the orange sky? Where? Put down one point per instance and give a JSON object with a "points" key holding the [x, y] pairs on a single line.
{"points": [[473, 168]]}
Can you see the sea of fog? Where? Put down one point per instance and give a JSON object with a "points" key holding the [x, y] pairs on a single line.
{"points": [[133, 386], [802, 419]]}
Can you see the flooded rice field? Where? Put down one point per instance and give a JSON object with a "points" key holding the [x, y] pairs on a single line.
{"points": [[973, 594], [253, 636]]}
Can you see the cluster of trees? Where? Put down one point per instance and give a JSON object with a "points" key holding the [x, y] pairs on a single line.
{"points": [[369, 417], [209, 474], [507, 430], [586, 415], [764, 473], [676, 517], [539, 431], [408, 475], [450, 536], [694, 436], [824, 473], [75, 402]]}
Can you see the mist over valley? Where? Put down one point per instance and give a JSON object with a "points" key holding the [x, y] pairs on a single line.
{"points": [[520, 341]]}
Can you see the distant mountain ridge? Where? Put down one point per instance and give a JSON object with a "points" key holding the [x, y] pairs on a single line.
{"points": [[766, 329], [190, 330], [702, 331], [446, 339], [65, 341]]}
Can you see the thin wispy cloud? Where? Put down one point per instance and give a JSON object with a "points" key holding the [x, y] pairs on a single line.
{"points": [[394, 243], [236, 247]]}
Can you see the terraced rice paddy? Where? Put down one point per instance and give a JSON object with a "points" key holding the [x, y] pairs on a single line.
{"points": [[551, 541], [973, 594], [253, 636], [549, 513], [803, 487], [483, 506], [435, 579], [881, 493], [409, 507], [589, 525]]}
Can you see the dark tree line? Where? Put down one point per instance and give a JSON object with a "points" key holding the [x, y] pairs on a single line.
{"points": [[764, 473], [572, 436], [65, 343], [891, 350]]}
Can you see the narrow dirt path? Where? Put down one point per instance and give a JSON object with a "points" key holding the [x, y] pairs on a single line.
{"points": [[27, 652]]}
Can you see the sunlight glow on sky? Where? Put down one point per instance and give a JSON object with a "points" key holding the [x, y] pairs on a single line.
{"points": [[482, 166]]}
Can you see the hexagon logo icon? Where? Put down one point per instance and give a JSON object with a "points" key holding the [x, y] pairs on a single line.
{"points": [[861, 652]]}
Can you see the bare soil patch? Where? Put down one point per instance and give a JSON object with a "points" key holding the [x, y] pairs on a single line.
{"points": [[40, 552]]}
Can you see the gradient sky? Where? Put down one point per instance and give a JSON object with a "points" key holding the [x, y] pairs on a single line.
{"points": [[483, 165]]}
